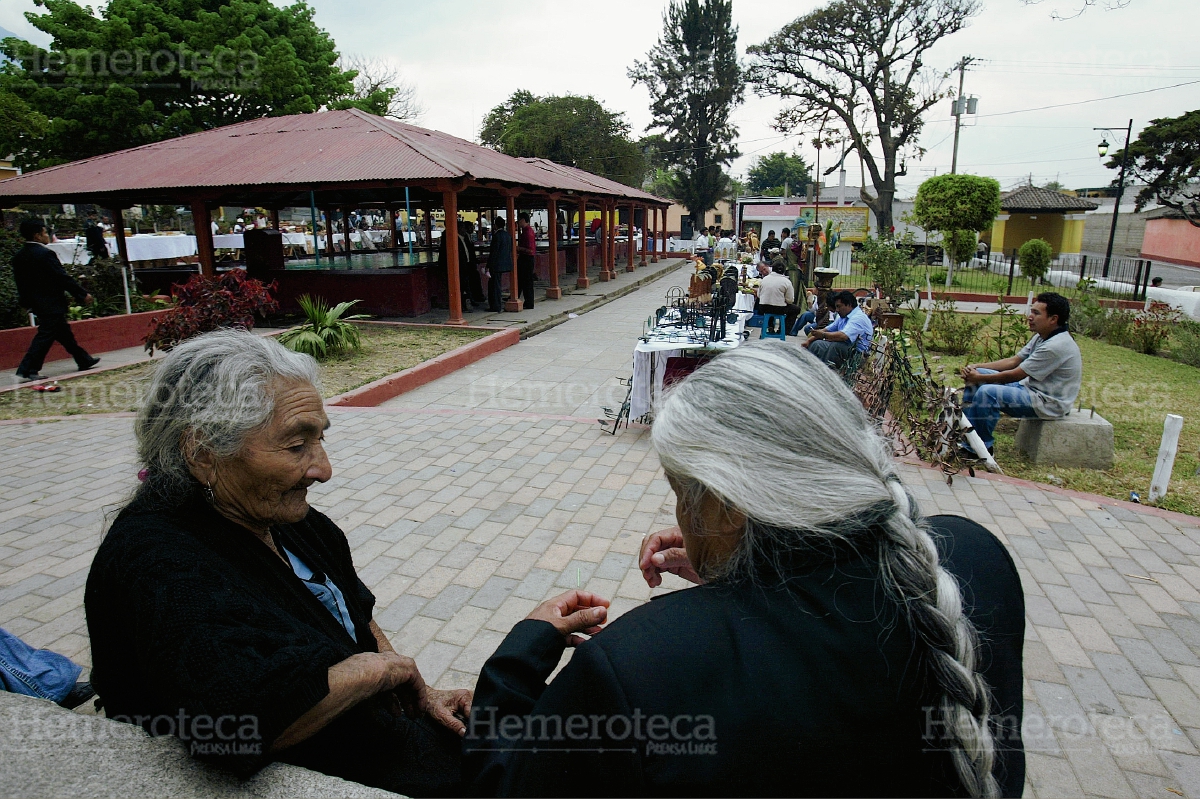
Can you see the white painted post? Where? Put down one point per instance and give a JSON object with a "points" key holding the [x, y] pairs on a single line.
{"points": [[1166, 456], [928, 313], [125, 280]]}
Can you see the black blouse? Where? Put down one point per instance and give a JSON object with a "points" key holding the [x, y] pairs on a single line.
{"points": [[200, 631], [811, 686]]}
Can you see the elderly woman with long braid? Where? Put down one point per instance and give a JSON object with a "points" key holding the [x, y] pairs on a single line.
{"points": [[836, 643], [226, 611]]}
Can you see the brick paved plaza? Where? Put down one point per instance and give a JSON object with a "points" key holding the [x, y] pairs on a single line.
{"points": [[470, 500]]}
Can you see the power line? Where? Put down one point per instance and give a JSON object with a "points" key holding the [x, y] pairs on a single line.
{"points": [[1093, 100]]}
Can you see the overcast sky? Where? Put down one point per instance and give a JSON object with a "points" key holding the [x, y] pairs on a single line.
{"points": [[466, 56]]}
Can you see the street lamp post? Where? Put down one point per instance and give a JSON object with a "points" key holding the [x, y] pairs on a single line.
{"points": [[1102, 148]]}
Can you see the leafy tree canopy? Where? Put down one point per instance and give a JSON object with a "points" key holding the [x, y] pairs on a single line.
{"points": [[1166, 158], [859, 66], [141, 71], [695, 82], [571, 130], [957, 202], [770, 173]]}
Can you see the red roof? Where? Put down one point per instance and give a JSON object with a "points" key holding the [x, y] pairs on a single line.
{"points": [[295, 154]]}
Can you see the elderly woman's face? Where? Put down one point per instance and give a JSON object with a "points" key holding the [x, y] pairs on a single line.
{"points": [[267, 483], [711, 530]]}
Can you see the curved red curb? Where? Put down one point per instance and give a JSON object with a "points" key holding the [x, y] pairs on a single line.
{"points": [[392, 386]]}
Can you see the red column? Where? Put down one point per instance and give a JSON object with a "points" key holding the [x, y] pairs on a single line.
{"points": [[346, 231], [394, 239], [581, 280], [512, 304], [204, 243], [275, 218], [554, 292], [662, 232], [450, 205], [119, 233]]}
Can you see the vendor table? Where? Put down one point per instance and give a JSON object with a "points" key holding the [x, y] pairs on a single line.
{"points": [[681, 245], [650, 358], [143, 247]]}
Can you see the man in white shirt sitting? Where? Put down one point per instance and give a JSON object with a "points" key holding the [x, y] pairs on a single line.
{"points": [[776, 296]]}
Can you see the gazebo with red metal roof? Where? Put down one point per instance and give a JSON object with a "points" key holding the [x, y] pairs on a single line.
{"points": [[341, 159]]}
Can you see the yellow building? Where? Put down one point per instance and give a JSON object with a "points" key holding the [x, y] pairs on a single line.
{"points": [[1033, 213]]}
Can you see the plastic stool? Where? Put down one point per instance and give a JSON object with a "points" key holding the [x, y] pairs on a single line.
{"points": [[774, 322]]}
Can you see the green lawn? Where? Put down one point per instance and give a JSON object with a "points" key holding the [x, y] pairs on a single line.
{"points": [[386, 350], [975, 281], [1135, 392]]}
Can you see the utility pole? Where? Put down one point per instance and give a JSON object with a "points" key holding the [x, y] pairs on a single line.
{"points": [[959, 107], [1112, 231]]}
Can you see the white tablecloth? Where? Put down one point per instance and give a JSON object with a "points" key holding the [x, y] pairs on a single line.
{"points": [[650, 361], [71, 251], [681, 245], [145, 247], [236, 241]]}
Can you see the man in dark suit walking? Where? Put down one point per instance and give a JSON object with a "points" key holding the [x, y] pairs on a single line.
{"points": [[41, 282]]}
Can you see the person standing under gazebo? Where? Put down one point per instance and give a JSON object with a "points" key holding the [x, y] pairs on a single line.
{"points": [[499, 263], [526, 250]]}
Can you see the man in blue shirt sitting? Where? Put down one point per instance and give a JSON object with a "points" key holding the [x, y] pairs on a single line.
{"points": [[852, 330]]}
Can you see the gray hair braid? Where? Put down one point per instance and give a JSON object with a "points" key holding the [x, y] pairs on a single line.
{"points": [[711, 441]]}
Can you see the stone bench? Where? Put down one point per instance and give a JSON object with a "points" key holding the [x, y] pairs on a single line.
{"points": [[48, 751], [1082, 439]]}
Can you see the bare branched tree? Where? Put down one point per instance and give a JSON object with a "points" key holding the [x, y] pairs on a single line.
{"points": [[379, 84], [859, 66], [1083, 5]]}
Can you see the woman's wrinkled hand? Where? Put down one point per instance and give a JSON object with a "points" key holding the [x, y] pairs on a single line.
{"points": [[449, 708], [663, 552], [573, 612]]}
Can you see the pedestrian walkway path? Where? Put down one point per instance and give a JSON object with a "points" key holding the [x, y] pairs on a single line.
{"points": [[463, 514]]}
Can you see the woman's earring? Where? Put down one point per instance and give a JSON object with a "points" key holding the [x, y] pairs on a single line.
{"points": [[208, 493]]}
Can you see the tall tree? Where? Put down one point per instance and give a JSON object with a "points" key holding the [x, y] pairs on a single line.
{"points": [[145, 70], [379, 89], [860, 65], [1165, 157], [695, 82], [769, 174], [570, 130]]}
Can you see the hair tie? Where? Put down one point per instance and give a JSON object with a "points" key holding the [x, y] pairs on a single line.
{"points": [[143, 474]]}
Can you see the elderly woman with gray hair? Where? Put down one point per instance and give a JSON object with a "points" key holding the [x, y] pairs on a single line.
{"points": [[224, 610], [837, 642]]}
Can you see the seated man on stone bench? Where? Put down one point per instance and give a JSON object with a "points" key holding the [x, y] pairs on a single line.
{"points": [[1041, 381]]}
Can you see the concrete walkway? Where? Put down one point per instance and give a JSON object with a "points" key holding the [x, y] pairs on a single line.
{"points": [[472, 499]]}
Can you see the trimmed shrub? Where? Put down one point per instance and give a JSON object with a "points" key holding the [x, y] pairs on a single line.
{"points": [[1034, 257], [211, 303]]}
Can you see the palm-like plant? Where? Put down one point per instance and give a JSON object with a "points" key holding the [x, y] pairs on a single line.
{"points": [[326, 332]]}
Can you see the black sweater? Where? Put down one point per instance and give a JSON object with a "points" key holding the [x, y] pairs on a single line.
{"points": [[809, 686], [193, 619]]}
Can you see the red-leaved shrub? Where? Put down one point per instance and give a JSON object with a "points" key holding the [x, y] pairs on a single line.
{"points": [[205, 304]]}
